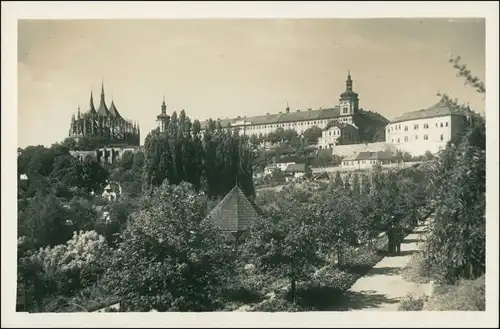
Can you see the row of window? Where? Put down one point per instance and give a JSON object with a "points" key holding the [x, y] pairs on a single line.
{"points": [[416, 126], [346, 163], [426, 137], [306, 123]]}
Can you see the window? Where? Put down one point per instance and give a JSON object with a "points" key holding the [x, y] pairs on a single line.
{"points": [[393, 140], [442, 137], [406, 128], [436, 124], [416, 137], [426, 137], [406, 138], [426, 125], [415, 127], [398, 140], [441, 125], [346, 110], [446, 124]]}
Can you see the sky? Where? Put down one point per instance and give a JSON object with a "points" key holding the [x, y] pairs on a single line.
{"points": [[225, 68]]}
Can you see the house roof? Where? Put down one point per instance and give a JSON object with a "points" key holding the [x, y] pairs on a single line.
{"points": [[235, 212], [340, 125], [296, 167], [299, 115], [437, 110]]}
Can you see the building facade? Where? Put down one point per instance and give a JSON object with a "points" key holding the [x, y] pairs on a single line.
{"points": [[104, 123], [367, 160], [338, 133], [299, 120], [425, 130]]}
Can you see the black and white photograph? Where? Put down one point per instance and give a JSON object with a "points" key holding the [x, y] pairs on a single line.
{"points": [[246, 165]]}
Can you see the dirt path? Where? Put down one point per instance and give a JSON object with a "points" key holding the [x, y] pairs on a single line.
{"points": [[382, 287]]}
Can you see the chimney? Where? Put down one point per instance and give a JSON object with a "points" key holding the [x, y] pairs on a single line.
{"points": [[298, 110]]}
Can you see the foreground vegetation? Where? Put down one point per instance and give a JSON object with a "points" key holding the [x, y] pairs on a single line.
{"points": [[156, 249]]}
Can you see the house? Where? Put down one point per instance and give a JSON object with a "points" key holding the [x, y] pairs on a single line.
{"points": [[426, 130], [296, 170], [235, 213], [112, 191], [276, 166], [366, 160], [338, 133]]}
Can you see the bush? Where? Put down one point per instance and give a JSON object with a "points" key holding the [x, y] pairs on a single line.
{"points": [[330, 276], [467, 295], [410, 302]]}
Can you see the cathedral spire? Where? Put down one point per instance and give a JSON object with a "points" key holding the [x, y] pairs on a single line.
{"points": [[92, 107], [103, 109]]}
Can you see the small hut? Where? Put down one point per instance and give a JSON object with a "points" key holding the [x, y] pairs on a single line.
{"points": [[235, 213]]}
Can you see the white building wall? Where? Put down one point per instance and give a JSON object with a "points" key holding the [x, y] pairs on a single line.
{"points": [[419, 136], [298, 126]]}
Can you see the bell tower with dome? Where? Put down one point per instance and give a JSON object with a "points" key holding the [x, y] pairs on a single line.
{"points": [[349, 101]]}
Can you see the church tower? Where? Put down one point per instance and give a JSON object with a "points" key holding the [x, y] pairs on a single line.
{"points": [[349, 101], [163, 118]]}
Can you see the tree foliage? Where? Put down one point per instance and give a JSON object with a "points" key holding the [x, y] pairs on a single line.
{"points": [[214, 162], [171, 258], [456, 247]]}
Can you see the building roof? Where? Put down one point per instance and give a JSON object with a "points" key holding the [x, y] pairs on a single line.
{"points": [[299, 115], [437, 110], [296, 167], [235, 212], [113, 111], [340, 125], [380, 155]]}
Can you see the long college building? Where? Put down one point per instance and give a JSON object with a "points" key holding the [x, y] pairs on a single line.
{"points": [[299, 120]]}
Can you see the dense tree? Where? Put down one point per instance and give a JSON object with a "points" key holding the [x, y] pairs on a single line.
{"points": [[64, 269], [284, 244], [456, 246], [220, 159], [171, 257], [312, 134]]}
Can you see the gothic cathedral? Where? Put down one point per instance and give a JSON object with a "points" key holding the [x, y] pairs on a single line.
{"points": [[105, 124]]}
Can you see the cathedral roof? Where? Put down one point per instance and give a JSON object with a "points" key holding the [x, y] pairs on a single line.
{"points": [[103, 109], [113, 111]]}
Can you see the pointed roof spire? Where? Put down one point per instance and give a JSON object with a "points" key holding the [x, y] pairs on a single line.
{"points": [[349, 74], [103, 109], [92, 108], [78, 111]]}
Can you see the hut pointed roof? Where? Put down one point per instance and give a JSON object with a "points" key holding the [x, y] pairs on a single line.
{"points": [[235, 212]]}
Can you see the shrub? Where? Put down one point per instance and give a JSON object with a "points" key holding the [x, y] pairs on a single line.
{"points": [[410, 302], [467, 295]]}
